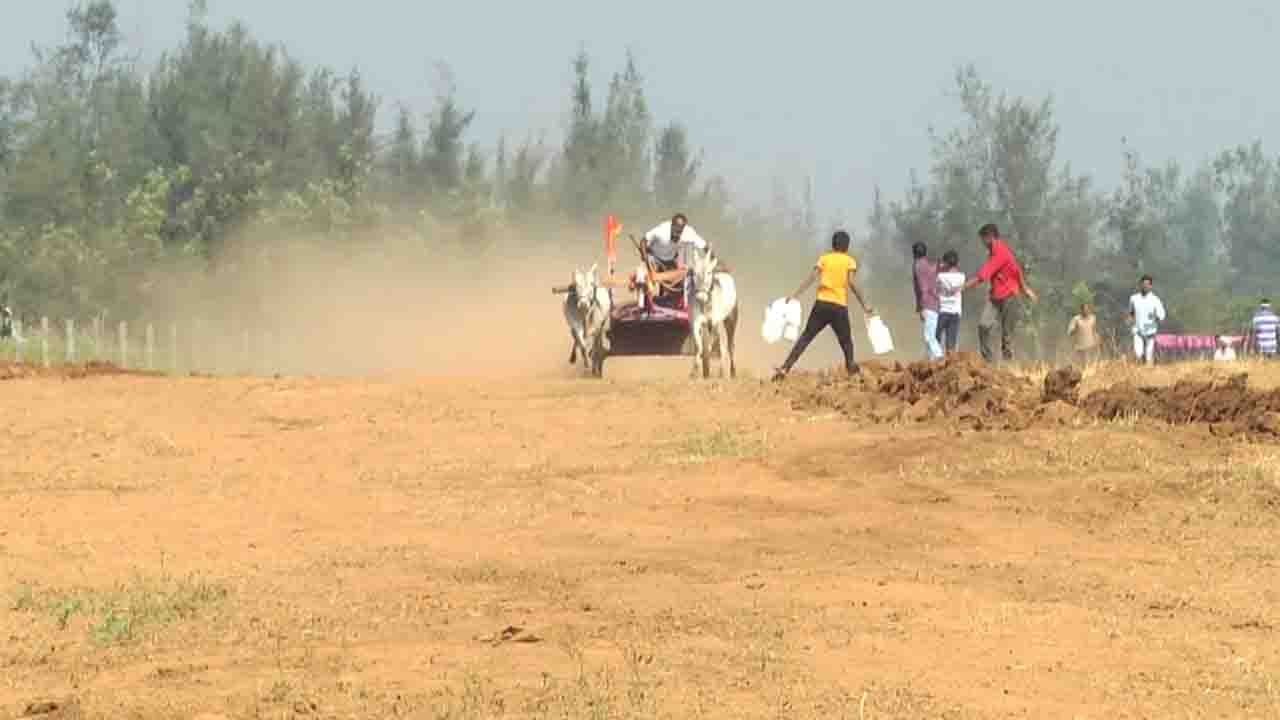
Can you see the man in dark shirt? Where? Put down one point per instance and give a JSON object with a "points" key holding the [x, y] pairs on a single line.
{"points": [[924, 274]]}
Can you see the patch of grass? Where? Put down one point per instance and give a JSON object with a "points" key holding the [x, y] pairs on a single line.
{"points": [[721, 442], [1254, 481], [118, 615], [477, 699]]}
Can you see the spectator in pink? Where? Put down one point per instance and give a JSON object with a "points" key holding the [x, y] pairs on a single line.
{"points": [[924, 275]]}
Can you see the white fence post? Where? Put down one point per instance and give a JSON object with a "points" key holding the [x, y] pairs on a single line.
{"points": [[124, 344], [44, 341], [17, 346], [151, 348], [71, 341]]}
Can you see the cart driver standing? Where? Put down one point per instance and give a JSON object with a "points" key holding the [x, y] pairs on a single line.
{"points": [[668, 245], [671, 240]]}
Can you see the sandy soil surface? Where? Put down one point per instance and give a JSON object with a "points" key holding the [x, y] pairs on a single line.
{"points": [[943, 543]]}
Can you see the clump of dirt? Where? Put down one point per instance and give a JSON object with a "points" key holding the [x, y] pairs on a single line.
{"points": [[961, 388], [1062, 385], [20, 371], [1228, 406], [964, 389]]}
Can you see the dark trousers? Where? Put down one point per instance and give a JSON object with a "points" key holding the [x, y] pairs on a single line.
{"points": [[822, 315], [949, 331], [997, 313]]}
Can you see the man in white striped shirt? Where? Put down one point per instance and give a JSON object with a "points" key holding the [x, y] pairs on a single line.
{"points": [[1265, 325]]}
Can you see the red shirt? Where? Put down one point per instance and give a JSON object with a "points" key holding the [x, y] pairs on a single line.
{"points": [[1002, 269]]}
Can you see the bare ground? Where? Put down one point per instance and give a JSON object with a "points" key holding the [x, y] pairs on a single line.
{"points": [[428, 548]]}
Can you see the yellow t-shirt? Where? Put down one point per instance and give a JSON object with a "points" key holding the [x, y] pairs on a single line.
{"points": [[833, 284]]}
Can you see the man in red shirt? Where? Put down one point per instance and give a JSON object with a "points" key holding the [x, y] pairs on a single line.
{"points": [[1005, 275]]}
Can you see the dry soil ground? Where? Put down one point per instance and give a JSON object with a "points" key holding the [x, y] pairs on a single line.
{"points": [[476, 548]]}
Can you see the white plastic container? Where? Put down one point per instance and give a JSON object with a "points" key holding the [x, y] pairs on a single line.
{"points": [[878, 333], [791, 316], [781, 320]]}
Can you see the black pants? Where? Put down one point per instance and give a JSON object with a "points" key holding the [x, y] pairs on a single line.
{"points": [[949, 331], [822, 315]]}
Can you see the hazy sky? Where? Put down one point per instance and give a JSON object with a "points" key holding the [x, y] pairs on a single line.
{"points": [[844, 90]]}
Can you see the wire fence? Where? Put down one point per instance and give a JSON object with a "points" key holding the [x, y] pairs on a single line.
{"points": [[163, 348]]}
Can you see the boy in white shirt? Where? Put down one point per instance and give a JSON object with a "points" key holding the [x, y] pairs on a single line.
{"points": [[1146, 312], [950, 295]]}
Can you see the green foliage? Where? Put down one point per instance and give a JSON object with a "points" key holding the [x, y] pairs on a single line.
{"points": [[1081, 294], [675, 171], [111, 174]]}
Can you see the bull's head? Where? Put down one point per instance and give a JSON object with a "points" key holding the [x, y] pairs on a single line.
{"points": [[584, 287], [703, 270]]}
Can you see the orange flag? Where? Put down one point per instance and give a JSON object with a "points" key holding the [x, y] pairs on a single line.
{"points": [[611, 230]]}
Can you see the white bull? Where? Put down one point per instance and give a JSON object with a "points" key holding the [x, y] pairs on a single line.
{"points": [[586, 310], [714, 305]]}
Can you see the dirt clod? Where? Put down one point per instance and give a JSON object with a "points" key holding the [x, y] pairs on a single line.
{"points": [[511, 633], [1062, 384], [1228, 406], [961, 388]]}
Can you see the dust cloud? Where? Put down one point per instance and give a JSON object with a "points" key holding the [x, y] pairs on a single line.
{"points": [[391, 302]]}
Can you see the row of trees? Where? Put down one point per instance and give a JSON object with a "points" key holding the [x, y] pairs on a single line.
{"points": [[112, 174], [109, 170]]}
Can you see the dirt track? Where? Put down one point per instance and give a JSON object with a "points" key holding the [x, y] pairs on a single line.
{"points": [[629, 548]]}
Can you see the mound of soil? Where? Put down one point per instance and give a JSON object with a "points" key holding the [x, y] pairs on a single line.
{"points": [[1228, 406], [965, 390], [962, 388], [19, 371]]}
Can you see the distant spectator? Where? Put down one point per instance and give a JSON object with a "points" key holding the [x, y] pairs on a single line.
{"points": [[1083, 330], [1225, 352], [1146, 312], [924, 275], [950, 301], [1265, 324], [1007, 282]]}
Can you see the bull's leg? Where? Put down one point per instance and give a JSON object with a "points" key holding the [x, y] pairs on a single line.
{"points": [[584, 351], [597, 355], [578, 348], [698, 347], [710, 331], [730, 327]]}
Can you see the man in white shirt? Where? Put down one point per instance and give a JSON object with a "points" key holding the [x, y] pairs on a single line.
{"points": [[671, 240], [669, 243], [1146, 312]]}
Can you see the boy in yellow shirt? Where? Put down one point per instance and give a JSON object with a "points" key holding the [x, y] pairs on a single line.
{"points": [[834, 273]]}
